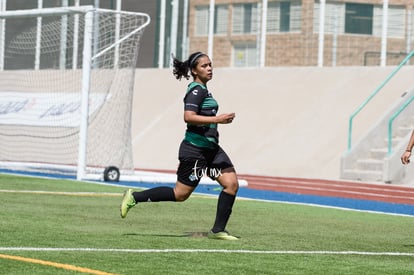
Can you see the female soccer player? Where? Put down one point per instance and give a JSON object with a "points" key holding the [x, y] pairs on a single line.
{"points": [[199, 152]]}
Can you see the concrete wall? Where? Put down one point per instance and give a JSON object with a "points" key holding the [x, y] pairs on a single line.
{"points": [[289, 121]]}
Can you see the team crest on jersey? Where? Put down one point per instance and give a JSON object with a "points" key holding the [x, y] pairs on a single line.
{"points": [[192, 177]]}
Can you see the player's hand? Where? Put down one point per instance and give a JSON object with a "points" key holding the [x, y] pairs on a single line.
{"points": [[225, 118], [405, 158]]}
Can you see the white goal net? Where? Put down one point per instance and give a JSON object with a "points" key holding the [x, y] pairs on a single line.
{"points": [[66, 88]]}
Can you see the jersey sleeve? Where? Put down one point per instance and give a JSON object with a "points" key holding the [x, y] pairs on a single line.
{"points": [[194, 98]]}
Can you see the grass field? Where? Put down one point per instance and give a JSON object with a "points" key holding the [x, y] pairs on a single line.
{"points": [[73, 228]]}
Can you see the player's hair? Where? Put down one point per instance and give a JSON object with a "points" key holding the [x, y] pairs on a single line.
{"points": [[183, 68]]}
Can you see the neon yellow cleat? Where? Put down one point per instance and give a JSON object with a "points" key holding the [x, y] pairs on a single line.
{"points": [[128, 202], [223, 235]]}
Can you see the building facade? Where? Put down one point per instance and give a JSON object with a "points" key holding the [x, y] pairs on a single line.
{"points": [[353, 32], [263, 33]]}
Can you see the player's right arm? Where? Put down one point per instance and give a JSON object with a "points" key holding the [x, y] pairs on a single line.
{"points": [[405, 158], [195, 119]]}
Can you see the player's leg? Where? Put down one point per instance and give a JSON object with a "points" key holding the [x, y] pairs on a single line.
{"points": [[157, 194], [179, 193], [131, 198], [227, 178], [187, 180]]}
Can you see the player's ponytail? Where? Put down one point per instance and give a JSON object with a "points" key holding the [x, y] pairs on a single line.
{"points": [[182, 68]]}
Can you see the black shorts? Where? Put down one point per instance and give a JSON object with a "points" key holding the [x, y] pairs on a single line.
{"points": [[196, 162]]}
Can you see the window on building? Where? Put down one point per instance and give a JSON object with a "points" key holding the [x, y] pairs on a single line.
{"points": [[245, 18], [396, 21], [334, 18], [221, 15], [358, 18], [220, 20], [410, 30], [283, 16], [201, 18], [245, 55]]}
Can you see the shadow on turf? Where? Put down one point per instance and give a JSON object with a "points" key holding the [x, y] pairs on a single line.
{"points": [[185, 235]]}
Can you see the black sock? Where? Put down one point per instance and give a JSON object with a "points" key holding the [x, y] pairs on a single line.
{"points": [[224, 208], [162, 193]]}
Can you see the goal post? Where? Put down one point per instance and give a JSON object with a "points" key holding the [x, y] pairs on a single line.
{"points": [[66, 89], [86, 85]]}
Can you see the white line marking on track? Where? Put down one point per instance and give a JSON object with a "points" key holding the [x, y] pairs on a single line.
{"points": [[243, 251], [365, 191]]}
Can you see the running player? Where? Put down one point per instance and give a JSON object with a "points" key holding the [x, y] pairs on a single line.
{"points": [[199, 153]]}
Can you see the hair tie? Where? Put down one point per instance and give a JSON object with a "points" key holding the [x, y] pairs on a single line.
{"points": [[195, 58]]}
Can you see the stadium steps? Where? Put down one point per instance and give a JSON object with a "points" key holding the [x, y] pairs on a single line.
{"points": [[369, 159], [362, 175]]}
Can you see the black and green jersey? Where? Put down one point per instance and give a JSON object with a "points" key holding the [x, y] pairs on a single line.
{"points": [[200, 100]]}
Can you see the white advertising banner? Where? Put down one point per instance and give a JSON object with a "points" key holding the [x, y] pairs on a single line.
{"points": [[45, 109]]}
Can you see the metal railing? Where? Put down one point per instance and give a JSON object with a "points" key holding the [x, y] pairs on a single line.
{"points": [[391, 121], [373, 94]]}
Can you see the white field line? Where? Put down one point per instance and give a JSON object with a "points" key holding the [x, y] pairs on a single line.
{"points": [[225, 251], [201, 195], [61, 193], [83, 194], [90, 194]]}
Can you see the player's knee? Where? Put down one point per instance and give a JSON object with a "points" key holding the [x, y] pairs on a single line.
{"points": [[231, 187], [182, 192], [234, 187], [180, 196]]}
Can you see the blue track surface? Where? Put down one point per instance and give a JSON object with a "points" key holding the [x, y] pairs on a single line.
{"points": [[337, 202], [246, 192]]}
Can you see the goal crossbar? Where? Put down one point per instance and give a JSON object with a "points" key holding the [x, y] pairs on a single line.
{"points": [[45, 12], [119, 41]]}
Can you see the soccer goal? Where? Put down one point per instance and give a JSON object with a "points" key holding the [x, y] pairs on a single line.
{"points": [[66, 88]]}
